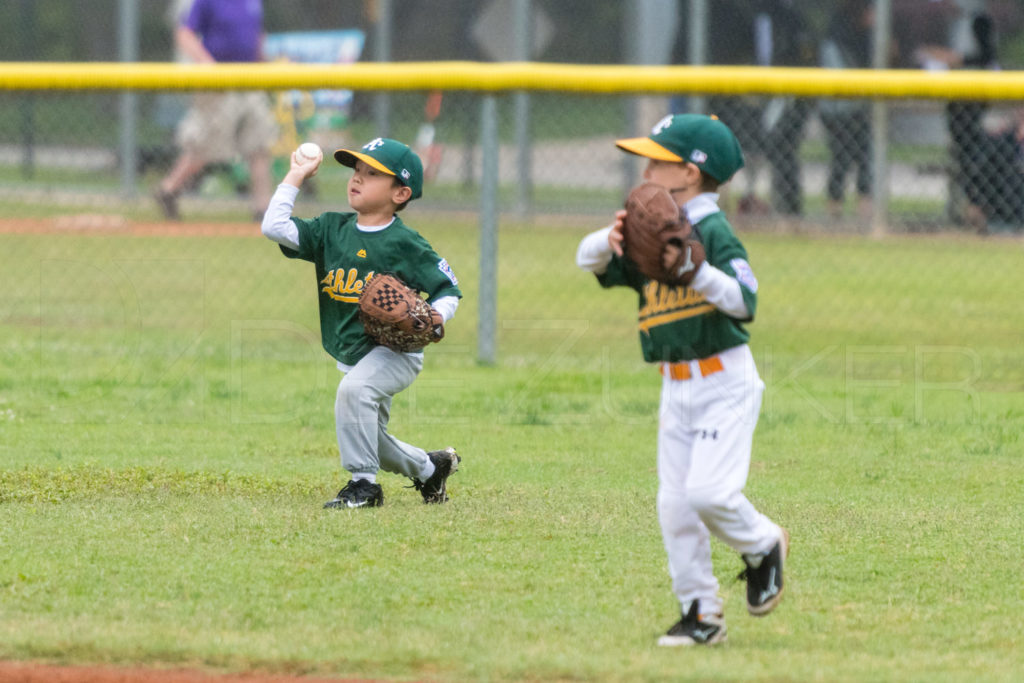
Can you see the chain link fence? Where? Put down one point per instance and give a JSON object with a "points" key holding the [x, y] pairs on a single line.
{"points": [[949, 167]]}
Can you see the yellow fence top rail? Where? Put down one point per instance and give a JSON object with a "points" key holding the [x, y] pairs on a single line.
{"points": [[511, 76]]}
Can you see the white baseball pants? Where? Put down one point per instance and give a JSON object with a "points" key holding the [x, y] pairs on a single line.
{"points": [[705, 431]]}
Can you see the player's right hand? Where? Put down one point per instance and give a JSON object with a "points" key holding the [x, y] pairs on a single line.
{"points": [[615, 236], [307, 168]]}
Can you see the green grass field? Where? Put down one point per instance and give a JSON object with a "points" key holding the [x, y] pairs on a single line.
{"points": [[166, 442]]}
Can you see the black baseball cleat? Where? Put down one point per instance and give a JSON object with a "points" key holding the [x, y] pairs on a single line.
{"points": [[358, 493], [764, 577], [446, 463], [695, 629], [168, 203]]}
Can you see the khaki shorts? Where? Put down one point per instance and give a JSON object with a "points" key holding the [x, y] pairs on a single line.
{"points": [[224, 125]]}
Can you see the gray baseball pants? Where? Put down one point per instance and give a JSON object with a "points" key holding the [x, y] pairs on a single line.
{"points": [[362, 409]]}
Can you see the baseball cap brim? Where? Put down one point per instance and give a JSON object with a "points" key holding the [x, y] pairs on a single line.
{"points": [[347, 157], [647, 147]]}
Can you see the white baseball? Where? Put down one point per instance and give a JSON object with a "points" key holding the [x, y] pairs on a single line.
{"points": [[310, 151]]}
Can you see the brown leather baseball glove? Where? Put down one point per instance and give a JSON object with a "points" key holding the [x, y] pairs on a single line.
{"points": [[395, 315], [658, 238]]}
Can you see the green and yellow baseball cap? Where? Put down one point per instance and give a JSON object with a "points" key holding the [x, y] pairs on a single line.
{"points": [[702, 140], [388, 156]]}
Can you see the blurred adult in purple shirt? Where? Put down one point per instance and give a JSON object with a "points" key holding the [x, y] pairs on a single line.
{"points": [[221, 126], [226, 30]]}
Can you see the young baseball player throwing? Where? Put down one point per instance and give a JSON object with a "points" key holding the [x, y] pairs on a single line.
{"points": [[348, 249], [711, 392]]}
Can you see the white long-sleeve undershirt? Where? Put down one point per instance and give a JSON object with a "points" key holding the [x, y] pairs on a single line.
{"points": [[277, 219], [595, 253]]}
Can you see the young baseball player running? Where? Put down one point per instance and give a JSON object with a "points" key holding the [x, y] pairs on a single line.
{"points": [[347, 250], [711, 392]]}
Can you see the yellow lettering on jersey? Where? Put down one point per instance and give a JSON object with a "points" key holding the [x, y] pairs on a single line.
{"points": [[665, 304], [361, 253], [353, 284], [343, 285]]}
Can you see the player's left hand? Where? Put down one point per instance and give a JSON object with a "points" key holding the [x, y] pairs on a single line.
{"points": [[669, 256], [437, 324], [394, 315], [683, 260]]}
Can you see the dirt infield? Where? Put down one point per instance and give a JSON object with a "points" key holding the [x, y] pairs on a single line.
{"points": [[33, 672]]}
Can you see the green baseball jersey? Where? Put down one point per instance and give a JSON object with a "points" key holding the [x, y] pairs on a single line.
{"points": [[346, 257], [678, 323]]}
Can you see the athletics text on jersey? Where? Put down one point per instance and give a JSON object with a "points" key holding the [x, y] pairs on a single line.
{"points": [[678, 323], [346, 257]]}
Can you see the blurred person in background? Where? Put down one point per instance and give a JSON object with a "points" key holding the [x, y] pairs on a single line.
{"points": [[177, 13], [986, 166], [222, 125], [728, 46], [847, 123], [771, 130], [762, 33], [783, 38]]}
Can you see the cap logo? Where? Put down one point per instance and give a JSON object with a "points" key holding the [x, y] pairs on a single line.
{"points": [[373, 144], [698, 156], [405, 174], [662, 125]]}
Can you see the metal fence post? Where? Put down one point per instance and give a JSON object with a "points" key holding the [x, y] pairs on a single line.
{"points": [[649, 28], [27, 107], [523, 39], [880, 124], [630, 104], [488, 307], [697, 46], [382, 53], [128, 51]]}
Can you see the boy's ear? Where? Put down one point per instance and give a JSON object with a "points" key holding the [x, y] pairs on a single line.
{"points": [[401, 194]]}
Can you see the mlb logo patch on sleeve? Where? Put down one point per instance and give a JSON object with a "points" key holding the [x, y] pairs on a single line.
{"points": [[443, 266], [744, 274]]}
